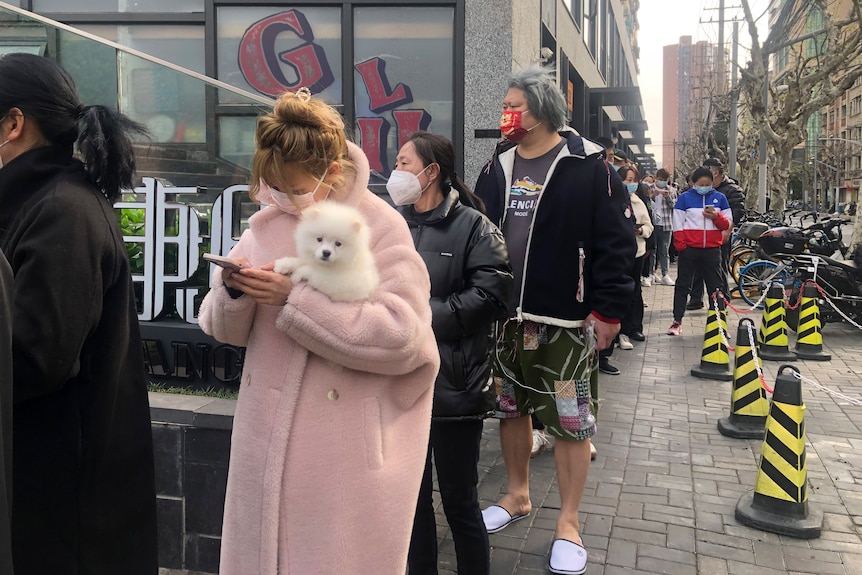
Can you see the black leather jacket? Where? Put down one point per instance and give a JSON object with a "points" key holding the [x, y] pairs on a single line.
{"points": [[471, 281]]}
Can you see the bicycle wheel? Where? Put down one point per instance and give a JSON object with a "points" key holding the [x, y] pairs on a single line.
{"points": [[739, 261], [755, 278]]}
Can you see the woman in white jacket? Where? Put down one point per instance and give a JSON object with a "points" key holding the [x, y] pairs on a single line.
{"points": [[631, 327]]}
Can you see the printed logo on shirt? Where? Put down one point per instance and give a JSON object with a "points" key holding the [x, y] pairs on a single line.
{"points": [[522, 199]]}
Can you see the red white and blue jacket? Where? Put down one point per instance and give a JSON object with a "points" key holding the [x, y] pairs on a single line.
{"points": [[691, 229]]}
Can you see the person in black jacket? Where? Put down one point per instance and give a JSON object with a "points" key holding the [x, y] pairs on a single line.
{"points": [[736, 198], [470, 284], [567, 222], [6, 294], [84, 486]]}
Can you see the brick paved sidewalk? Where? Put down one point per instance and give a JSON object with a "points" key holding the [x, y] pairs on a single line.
{"points": [[661, 496]]}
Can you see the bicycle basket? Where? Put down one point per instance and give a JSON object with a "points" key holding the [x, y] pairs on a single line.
{"points": [[752, 230]]}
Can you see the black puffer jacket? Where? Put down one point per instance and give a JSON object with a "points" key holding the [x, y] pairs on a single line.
{"points": [[471, 281], [735, 197]]}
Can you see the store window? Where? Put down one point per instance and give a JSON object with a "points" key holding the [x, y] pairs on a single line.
{"points": [[182, 45], [270, 50], [171, 105], [403, 60], [118, 6]]}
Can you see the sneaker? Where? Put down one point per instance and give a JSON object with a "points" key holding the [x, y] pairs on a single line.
{"points": [[694, 305], [540, 442], [625, 342], [606, 367], [675, 328], [656, 277], [666, 281], [646, 282]]}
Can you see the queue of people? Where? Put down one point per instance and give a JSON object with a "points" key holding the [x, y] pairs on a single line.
{"points": [[346, 408]]}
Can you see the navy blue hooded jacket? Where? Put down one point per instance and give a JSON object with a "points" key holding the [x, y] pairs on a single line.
{"points": [[581, 242]]}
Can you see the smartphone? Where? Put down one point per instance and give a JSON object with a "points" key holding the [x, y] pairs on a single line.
{"points": [[638, 226], [228, 263]]}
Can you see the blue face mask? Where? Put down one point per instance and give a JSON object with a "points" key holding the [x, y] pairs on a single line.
{"points": [[703, 190], [632, 187], [661, 184], [616, 168]]}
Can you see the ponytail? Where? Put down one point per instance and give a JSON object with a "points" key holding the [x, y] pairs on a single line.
{"points": [[466, 195], [105, 144]]}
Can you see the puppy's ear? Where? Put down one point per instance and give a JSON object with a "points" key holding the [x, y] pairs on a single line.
{"points": [[357, 225], [310, 213]]}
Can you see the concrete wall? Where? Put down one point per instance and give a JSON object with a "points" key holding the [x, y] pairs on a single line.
{"points": [[487, 63]]}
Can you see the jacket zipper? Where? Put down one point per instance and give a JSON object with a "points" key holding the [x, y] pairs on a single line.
{"points": [[703, 199], [579, 296]]}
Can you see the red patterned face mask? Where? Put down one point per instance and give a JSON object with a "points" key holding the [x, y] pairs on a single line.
{"points": [[510, 125]]}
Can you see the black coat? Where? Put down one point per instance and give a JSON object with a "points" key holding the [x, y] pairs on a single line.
{"points": [[84, 488], [6, 293], [471, 281], [735, 197], [581, 223]]}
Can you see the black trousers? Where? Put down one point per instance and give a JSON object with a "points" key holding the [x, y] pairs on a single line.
{"points": [[706, 261], [455, 449], [633, 321], [697, 281]]}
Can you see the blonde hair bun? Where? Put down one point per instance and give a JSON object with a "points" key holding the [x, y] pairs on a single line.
{"points": [[300, 130]]}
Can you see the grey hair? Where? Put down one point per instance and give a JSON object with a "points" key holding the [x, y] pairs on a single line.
{"points": [[544, 100]]}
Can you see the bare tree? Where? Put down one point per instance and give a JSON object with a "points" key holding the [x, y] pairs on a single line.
{"points": [[813, 80]]}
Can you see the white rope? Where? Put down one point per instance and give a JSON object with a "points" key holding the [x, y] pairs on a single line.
{"points": [[727, 345], [750, 326], [838, 394], [835, 307]]}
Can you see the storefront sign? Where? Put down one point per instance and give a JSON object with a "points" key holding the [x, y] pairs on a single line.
{"points": [[262, 67], [172, 227]]}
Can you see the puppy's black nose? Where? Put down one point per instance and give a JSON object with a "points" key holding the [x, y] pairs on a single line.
{"points": [[326, 254]]}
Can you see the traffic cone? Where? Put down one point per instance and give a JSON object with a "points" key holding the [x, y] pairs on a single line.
{"points": [[809, 340], [714, 360], [779, 501], [773, 327], [748, 404]]}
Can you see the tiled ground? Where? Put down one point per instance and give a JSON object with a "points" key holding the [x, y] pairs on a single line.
{"points": [[661, 495]]}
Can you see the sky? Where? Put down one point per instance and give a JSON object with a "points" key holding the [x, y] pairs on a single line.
{"points": [[662, 22]]}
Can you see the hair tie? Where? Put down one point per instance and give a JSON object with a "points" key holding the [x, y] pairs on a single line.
{"points": [[304, 94], [80, 111]]}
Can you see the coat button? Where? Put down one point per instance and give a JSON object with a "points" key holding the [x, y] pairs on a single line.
{"points": [[332, 395]]}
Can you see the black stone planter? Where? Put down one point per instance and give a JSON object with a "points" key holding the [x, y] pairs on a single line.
{"points": [[191, 441]]}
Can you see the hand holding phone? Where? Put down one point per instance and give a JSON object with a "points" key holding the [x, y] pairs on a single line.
{"points": [[227, 263]]}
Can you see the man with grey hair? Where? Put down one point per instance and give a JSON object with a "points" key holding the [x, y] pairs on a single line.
{"points": [[567, 222]]}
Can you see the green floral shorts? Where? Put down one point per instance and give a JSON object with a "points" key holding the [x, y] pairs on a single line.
{"points": [[544, 369]]}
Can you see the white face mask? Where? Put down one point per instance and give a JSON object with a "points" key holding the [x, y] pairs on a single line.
{"points": [[283, 201], [404, 187]]}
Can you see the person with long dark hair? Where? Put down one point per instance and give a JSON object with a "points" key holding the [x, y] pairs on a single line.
{"points": [[471, 281], [83, 482], [7, 291]]}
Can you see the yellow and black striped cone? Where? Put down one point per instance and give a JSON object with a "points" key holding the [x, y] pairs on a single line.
{"points": [[773, 327], [809, 340], [748, 404], [714, 359], [779, 501]]}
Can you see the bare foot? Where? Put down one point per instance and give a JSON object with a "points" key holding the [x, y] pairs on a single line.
{"points": [[569, 533], [515, 505]]}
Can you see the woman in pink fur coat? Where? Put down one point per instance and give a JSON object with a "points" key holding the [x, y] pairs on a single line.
{"points": [[332, 422]]}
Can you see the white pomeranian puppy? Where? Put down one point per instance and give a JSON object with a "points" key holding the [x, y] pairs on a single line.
{"points": [[333, 253]]}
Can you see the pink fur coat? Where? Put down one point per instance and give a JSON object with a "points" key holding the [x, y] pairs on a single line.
{"points": [[331, 426]]}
